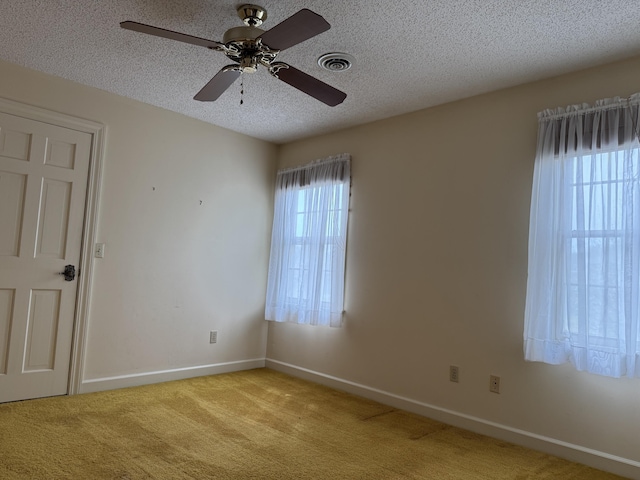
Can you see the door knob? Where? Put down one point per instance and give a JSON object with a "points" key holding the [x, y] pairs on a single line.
{"points": [[69, 273]]}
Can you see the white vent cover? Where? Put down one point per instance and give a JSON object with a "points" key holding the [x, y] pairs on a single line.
{"points": [[336, 62]]}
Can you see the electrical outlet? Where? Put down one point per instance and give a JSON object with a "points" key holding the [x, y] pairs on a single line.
{"points": [[99, 250], [454, 373], [213, 336], [494, 384]]}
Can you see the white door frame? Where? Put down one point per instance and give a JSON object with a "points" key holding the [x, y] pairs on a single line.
{"points": [[83, 299]]}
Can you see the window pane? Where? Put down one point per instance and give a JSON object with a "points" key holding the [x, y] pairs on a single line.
{"points": [[596, 247]]}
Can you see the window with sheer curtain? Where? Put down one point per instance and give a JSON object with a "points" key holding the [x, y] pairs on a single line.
{"points": [[308, 243], [583, 290]]}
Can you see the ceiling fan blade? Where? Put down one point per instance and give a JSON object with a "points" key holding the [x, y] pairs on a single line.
{"points": [[161, 32], [218, 84], [297, 28], [308, 84]]}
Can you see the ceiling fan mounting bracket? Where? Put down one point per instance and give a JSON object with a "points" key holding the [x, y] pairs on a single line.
{"points": [[275, 67], [252, 15]]}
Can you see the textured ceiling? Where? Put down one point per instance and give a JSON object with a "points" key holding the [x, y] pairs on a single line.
{"points": [[410, 54]]}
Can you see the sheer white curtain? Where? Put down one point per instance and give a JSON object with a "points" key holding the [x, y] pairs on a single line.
{"points": [[308, 243], [583, 292]]}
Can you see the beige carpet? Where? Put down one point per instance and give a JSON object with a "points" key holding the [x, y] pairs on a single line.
{"points": [[256, 424]]}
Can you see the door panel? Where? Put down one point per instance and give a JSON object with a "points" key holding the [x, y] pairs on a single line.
{"points": [[43, 181], [12, 187], [42, 330], [6, 313], [61, 154], [51, 240], [14, 144]]}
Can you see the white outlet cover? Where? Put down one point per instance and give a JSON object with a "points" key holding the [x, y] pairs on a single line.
{"points": [[494, 384]]}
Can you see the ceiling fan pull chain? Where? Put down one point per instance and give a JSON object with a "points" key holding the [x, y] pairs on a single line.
{"points": [[241, 88]]}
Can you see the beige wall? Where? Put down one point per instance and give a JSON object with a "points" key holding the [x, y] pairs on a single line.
{"points": [[437, 267], [173, 269]]}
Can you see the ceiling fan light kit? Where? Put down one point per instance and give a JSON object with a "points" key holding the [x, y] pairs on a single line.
{"points": [[250, 46]]}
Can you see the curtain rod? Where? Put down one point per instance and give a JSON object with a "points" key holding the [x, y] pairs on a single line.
{"points": [[314, 163], [615, 102]]}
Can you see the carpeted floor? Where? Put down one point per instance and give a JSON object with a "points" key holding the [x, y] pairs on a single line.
{"points": [[256, 424]]}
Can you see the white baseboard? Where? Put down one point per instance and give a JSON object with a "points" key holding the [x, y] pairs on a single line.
{"points": [[576, 453], [137, 379]]}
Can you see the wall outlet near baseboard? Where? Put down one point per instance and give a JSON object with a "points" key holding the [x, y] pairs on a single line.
{"points": [[494, 384], [213, 336], [454, 374]]}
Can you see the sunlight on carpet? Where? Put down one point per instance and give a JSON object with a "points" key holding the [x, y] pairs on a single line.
{"points": [[256, 424]]}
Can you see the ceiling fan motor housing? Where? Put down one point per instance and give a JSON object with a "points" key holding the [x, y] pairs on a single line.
{"points": [[241, 34], [243, 46]]}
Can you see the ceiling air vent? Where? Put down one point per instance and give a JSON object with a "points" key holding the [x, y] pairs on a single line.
{"points": [[336, 62]]}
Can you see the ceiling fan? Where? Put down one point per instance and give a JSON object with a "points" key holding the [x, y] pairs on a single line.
{"points": [[249, 47]]}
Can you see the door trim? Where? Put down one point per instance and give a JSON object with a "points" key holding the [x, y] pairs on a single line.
{"points": [[94, 182]]}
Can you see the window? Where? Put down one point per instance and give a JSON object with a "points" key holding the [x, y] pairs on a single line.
{"points": [[583, 291], [308, 243]]}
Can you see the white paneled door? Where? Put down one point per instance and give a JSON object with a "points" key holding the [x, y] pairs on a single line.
{"points": [[43, 182]]}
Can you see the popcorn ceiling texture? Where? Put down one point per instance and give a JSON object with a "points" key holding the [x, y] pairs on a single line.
{"points": [[410, 54]]}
